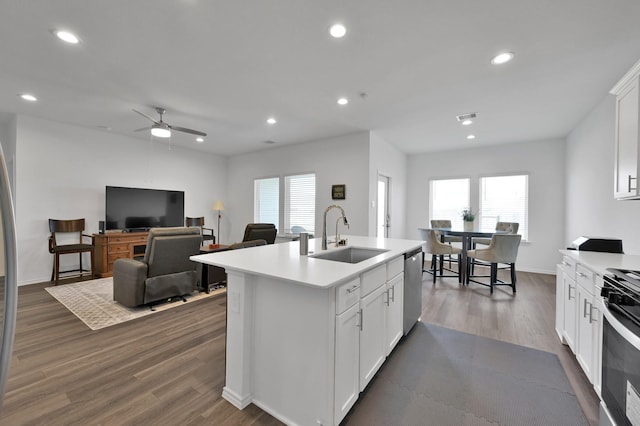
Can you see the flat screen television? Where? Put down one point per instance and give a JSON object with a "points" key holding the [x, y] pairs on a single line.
{"points": [[139, 209]]}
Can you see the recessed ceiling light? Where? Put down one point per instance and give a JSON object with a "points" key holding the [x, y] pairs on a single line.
{"points": [[200, 140], [28, 97], [343, 101], [337, 30], [471, 137], [271, 120], [466, 122], [502, 58], [269, 142], [67, 36]]}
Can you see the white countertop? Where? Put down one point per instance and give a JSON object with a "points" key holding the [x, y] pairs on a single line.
{"points": [[283, 261], [599, 262]]}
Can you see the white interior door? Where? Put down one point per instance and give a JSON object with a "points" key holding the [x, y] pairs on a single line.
{"points": [[383, 216]]}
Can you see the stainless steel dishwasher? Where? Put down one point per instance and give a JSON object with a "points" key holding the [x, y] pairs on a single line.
{"points": [[413, 261]]}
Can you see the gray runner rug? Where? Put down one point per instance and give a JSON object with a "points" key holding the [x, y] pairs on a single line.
{"points": [[439, 376]]}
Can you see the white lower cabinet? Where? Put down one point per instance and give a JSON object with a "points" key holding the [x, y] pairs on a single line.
{"points": [[584, 341], [570, 312], [395, 301], [596, 317], [369, 321], [347, 372], [579, 316], [372, 334]]}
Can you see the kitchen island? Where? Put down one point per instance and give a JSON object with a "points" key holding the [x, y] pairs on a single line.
{"points": [[306, 335]]}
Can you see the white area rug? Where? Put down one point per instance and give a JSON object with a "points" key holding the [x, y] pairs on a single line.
{"points": [[92, 302]]}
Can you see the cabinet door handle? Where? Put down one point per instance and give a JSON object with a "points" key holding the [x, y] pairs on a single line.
{"points": [[584, 308], [393, 293], [565, 263], [352, 289], [591, 308], [580, 274], [388, 297], [629, 183], [569, 287], [361, 320]]}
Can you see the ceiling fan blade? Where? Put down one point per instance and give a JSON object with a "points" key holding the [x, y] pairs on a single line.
{"points": [[141, 129], [185, 130], [145, 115]]}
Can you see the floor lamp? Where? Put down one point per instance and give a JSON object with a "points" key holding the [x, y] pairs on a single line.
{"points": [[219, 206]]}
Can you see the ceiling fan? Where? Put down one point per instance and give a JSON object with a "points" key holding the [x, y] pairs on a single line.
{"points": [[162, 129]]}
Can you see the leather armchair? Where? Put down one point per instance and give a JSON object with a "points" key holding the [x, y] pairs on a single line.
{"points": [[260, 231], [165, 272]]}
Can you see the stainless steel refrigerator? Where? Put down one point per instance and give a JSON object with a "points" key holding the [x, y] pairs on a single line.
{"points": [[9, 287]]}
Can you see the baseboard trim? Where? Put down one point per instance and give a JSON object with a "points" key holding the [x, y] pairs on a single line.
{"points": [[235, 399]]}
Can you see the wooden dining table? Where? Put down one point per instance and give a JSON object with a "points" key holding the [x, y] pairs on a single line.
{"points": [[467, 239]]}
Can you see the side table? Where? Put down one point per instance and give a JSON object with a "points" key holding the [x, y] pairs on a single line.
{"points": [[210, 271]]}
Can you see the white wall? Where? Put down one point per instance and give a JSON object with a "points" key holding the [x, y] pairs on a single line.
{"points": [[543, 161], [591, 208], [339, 160], [387, 160], [8, 142], [62, 171]]}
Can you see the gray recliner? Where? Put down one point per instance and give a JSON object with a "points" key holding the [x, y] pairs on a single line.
{"points": [[165, 272]]}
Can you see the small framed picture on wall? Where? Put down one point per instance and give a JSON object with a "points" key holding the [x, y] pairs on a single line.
{"points": [[338, 192]]}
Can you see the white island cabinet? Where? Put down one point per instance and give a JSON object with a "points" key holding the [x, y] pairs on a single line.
{"points": [[306, 335]]}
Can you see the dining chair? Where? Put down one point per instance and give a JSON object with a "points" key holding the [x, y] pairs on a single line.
{"points": [[445, 223], [438, 250], [503, 227], [206, 233], [503, 249], [61, 244]]}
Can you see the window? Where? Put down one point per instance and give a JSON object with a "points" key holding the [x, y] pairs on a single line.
{"points": [[266, 205], [448, 198], [504, 199], [299, 202]]}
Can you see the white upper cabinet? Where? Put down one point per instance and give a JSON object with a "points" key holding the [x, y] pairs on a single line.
{"points": [[627, 136]]}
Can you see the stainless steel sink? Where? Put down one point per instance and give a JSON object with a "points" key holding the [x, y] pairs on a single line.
{"points": [[350, 254]]}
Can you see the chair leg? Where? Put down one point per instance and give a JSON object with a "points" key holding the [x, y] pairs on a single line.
{"points": [[494, 276], [441, 264], [81, 273], [93, 262], [56, 266], [459, 268], [513, 277], [434, 264]]}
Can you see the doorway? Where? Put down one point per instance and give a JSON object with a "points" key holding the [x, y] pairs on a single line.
{"points": [[383, 222]]}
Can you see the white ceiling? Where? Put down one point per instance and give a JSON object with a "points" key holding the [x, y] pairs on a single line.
{"points": [[224, 67]]}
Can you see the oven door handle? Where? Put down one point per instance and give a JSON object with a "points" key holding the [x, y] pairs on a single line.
{"points": [[623, 331]]}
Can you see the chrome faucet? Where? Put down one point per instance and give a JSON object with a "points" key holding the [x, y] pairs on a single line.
{"points": [[338, 235], [324, 223]]}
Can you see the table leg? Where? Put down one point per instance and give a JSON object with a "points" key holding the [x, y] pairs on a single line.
{"points": [[464, 270]]}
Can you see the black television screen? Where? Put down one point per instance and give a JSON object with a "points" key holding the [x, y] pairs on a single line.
{"points": [[141, 209]]}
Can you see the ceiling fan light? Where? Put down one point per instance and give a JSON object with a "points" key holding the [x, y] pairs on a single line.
{"points": [[160, 132], [67, 37]]}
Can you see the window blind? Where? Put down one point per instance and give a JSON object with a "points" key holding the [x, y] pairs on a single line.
{"points": [[504, 199], [300, 203], [448, 197], [267, 201]]}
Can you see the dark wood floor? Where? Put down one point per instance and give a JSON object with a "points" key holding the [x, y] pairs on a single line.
{"points": [[168, 368]]}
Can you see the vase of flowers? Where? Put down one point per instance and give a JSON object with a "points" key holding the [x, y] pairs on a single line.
{"points": [[468, 217]]}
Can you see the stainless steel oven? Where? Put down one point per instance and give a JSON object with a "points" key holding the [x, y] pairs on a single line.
{"points": [[621, 349]]}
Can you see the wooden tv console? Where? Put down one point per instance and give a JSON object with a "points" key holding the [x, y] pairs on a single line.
{"points": [[117, 245]]}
